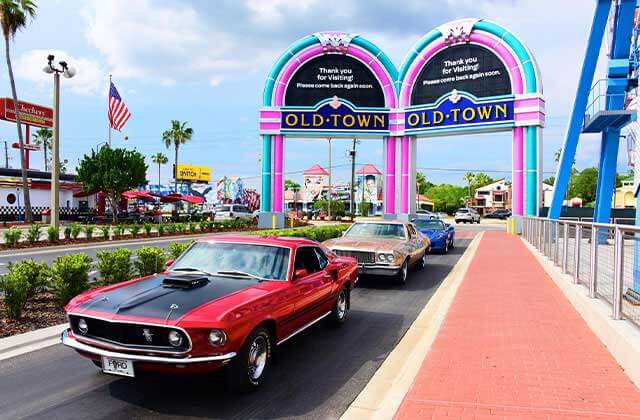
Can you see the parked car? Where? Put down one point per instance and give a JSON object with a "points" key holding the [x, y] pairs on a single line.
{"points": [[228, 301], [440, 234], [387, 248], [499, 214], [426, 214], [466, 215], [233, 212]]}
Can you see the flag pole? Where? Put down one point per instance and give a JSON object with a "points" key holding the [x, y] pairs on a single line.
{"points": [[108, 118]]}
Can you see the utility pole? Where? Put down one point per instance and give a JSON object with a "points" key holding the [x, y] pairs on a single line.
{"points": [[352, 153], [6, 155], [55, 152], [329, 201]]}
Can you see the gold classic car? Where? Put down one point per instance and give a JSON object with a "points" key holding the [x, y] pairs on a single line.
{"points": [[383, 247]]}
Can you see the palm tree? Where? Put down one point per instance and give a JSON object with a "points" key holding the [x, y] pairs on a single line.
{"points": [[43, 138], [159, 159], [178, 134], [14, 15], [469, 177]]}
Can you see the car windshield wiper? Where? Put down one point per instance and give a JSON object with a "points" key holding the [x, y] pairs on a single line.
{"points": [[238, 273], [192, 269]]}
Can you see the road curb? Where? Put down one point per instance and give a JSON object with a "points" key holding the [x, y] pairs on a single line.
{"points": [[620, 337], [384, 393], [17, 345]]}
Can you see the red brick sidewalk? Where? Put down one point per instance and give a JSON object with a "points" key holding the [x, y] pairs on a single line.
{"points": [[512, 346]]}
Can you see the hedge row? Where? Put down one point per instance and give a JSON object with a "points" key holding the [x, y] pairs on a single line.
{"points": [[316, 233], [36, 232], [68, 275]]}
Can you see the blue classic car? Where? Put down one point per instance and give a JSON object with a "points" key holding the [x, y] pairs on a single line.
{"points": [[440, 233]]}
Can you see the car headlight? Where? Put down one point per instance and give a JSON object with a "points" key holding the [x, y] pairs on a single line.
{"points": [[82, 326], [217, 338], [175, 338], [385, 258]]}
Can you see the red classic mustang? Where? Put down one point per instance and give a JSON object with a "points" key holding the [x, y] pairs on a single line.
{"points": [[228, 300]]}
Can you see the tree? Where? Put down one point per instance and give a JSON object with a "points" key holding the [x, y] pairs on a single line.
{"points": [[159, 159], [14, 15], [43, 138], [446, 197], [584, 184], [469, 177], [291, 185], [112, 171], [480, 180], [422, 185], [550, 181], [177, 135]]}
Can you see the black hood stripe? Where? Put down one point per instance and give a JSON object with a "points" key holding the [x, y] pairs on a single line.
{"points": [[148, 298]]}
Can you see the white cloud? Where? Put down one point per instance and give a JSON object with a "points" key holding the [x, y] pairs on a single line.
{"points": [[90, 77], [215, 81]]}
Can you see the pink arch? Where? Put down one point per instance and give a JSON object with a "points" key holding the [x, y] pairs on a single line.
{"points": [[278, 100], [517, 87]]}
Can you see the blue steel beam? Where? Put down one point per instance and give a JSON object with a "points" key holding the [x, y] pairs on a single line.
{"points": [[579, 106]]}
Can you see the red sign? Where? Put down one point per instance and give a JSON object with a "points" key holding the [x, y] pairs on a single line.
{"points": [[27, 146], [31, 114]]}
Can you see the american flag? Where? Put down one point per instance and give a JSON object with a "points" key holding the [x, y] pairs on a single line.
{"points": [[118, 112]]}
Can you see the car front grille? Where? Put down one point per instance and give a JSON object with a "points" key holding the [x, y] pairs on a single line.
{"points": [[363, 257], [135, 336]]}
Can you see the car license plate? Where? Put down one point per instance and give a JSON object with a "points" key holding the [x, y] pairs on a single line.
{"points": [[122, 367]]}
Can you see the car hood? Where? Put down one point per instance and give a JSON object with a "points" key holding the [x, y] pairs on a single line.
{"points": [[431, 233], [364, 244], [150, 299]]}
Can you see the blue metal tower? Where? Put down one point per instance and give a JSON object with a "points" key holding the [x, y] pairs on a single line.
{"points": [[600, 108]]}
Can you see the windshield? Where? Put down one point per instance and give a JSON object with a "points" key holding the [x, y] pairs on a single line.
{"points": [[223, 208], [267, 262], [428, 224], [463, 211], [385, 230]]}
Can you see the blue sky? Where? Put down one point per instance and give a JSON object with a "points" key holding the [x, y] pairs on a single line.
{"points": [[205, 62]]}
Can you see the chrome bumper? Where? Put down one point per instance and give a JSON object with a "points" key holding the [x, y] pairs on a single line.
{"points": [[75, 344], [378, 269]]}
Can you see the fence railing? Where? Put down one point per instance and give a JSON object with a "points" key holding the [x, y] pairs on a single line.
{"points": [[604, 257]]}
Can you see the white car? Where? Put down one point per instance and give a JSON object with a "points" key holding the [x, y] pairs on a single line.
{"points": [[233, 212], [467, 215]]}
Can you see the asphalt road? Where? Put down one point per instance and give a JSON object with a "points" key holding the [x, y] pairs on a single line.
{"points": [[316, 375]]}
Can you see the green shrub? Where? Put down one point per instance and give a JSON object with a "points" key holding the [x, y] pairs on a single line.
{"points": [[182, 228], [204, 226], [76, 228], [53, 234], [160, 229], [12, 236], [193, 227], [171, 228], [147, 228], [34, 274], [15, 295], [105, 231], [118, 231], [114, 266], [150, 260], [134, 229], [315, 233], [70, 276], [88, 231], [177, 248], [67, 232], [33, 234]]}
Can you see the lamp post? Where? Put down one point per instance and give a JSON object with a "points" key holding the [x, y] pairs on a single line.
{"points": [[68, 72]]}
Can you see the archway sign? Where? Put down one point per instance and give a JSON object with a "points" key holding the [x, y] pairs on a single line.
{"points": [[467, 76]]}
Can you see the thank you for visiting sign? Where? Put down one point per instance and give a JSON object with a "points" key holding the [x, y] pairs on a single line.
{"points": [[459, 110], [334, 116]]}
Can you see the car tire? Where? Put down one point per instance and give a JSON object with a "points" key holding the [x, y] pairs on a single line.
{"points": [[446, 247], [341, 309], [250, 367], [451, 243], [422, 262], [401, 277]]}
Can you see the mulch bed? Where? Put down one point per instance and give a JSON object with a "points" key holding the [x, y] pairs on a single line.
{"points": [[42, 310]]}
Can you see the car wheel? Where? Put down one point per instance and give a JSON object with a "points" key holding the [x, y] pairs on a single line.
{"points": [[422, 262], [446, 247], [401, 277], [249, 368], [451, 243], [339, 312]]}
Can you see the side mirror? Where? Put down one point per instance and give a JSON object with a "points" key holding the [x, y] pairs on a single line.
{"points": [[333, 271], [170, 262], [300, 273]]}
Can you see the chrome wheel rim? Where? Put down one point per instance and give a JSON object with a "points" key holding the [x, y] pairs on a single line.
{"points": [[404, 271], [257, 357], [341, 306], [424, 259]]}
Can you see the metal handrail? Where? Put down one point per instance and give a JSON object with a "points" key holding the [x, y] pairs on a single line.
{"points": [[552, 236]]}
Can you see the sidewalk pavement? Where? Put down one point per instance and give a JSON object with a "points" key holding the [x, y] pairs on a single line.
{"points": [[512, 346]]}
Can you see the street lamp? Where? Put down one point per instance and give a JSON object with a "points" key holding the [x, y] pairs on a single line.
{"points": [[67, 72]]}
